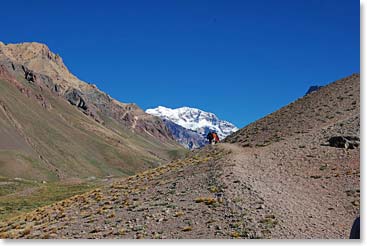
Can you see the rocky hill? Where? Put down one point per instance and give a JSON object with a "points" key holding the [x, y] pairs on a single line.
{"points": [[36, 58], [191, 125], [330, 104], [303, 184], [55, 126]]}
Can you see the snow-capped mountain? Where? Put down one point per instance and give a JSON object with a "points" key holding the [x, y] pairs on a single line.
{"points": [[195, 120]]}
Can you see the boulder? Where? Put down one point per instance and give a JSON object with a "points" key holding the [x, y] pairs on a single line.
{"points": [[29, 75], [75, 98], [346, 142]]}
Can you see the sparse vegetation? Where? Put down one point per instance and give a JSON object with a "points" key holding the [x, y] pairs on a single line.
{"points": [[40, 195], [206, 200]]}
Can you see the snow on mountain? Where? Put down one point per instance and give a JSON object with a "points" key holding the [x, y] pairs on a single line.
{"points": [[186, 137], [195, 119]]}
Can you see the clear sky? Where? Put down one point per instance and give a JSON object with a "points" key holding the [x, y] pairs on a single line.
{"points": [[238, 59]]}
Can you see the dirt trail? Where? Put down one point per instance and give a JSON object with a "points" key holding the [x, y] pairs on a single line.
{"points": [[221, 191], [304, 207], [197, 197]]}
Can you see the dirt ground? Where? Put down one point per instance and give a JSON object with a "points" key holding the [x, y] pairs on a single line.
{"points": [[281, 191]]}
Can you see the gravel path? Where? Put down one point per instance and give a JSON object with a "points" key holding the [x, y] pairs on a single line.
{"points": [[313, 191]]}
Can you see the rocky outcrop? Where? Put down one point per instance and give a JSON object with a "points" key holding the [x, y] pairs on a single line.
{"points": [[75, 98], [346, 142], [30, 77]]}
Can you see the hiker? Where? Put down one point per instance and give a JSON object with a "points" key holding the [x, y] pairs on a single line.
{"points": [[215, 137], [210, 137]]}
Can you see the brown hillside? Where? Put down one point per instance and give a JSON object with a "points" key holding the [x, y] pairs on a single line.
{"points": [[54, 126], [41, 66], [332, 103]]}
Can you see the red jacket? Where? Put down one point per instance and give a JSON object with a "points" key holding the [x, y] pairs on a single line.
{"points": [[216, 138]]}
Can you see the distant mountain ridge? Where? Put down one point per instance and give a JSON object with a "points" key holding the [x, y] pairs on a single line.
{"points": [[313, 88], [194, 124]]}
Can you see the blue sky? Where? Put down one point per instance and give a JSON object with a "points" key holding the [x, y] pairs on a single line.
{"points": [[236, 58]]}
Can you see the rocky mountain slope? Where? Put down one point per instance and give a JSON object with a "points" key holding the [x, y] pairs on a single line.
{"points": [[188, 138], [37, 58], [301, 185], [332, 103], [190, 125], [54, 126]]}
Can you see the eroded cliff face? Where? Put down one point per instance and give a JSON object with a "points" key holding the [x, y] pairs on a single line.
{"points": [[37, 64]]}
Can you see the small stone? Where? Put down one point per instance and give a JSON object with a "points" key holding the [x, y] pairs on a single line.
{"points": [[187, 228], [355, 203], [138, 228]]}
